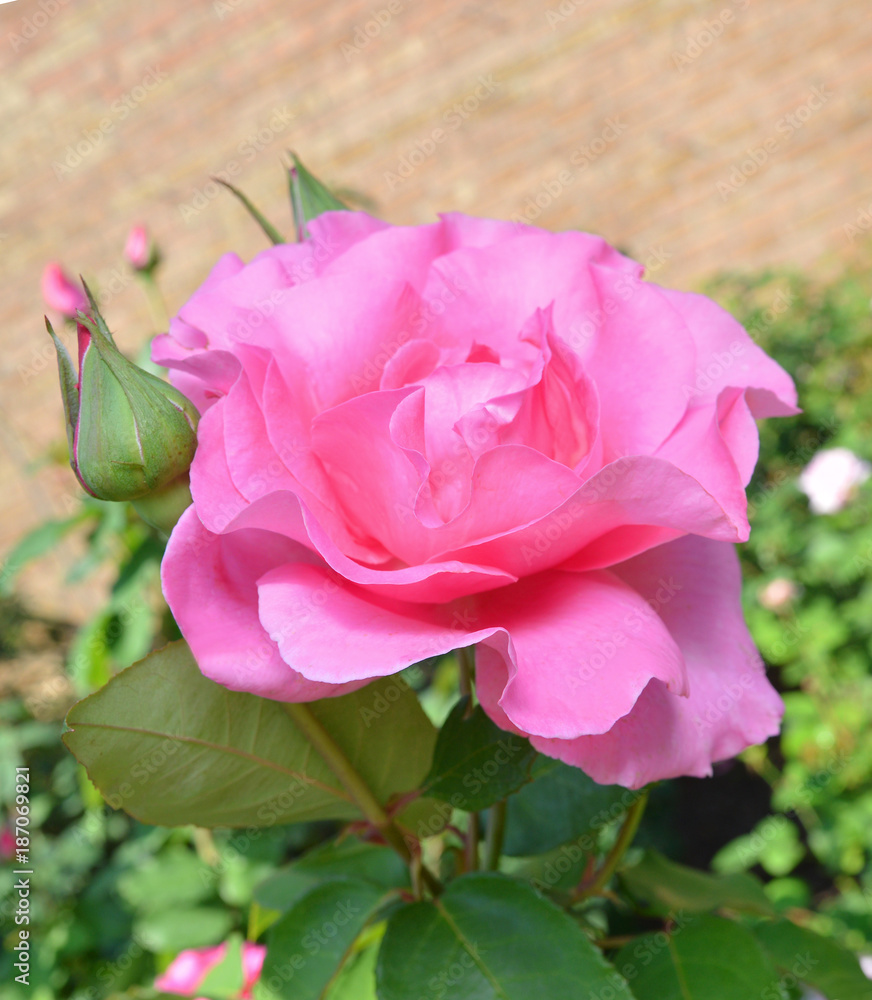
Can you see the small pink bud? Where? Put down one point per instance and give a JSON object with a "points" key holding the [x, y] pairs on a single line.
{"points": [[138, 249], [60, 293]]}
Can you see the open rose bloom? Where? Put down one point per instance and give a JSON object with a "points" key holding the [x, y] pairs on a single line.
{"points": [[415, 439]]}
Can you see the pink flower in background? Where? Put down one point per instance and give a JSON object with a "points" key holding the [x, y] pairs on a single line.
{"points": [[189, 969], [252, 963], [778, 593], [831, 478], [415, 439], [7, 842], [138, 250], [60, 293]]}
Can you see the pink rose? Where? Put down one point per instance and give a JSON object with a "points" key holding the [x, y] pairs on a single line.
{"points": [[188, 970], [59, 292], [831, 478], [421, 438]]}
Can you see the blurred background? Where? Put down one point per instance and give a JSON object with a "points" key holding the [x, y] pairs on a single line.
{"points": [[725, 144]]}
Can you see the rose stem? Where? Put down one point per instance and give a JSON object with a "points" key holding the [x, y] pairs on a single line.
{"points": [[356, 787], [619, 848], [466, 661], [157, 306], [496, 826], [472, 835]]}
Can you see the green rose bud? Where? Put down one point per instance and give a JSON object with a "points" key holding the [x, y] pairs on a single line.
{"points": [[130, 433]]}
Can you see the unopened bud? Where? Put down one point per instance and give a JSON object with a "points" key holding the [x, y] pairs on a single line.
{"points": [[140, 251], [130, 433]]}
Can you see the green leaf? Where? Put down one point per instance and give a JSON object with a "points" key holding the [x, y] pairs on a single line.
{"points": [[69, 380], [704, 958], [489, 937], [352, 858], [225, 980], [179, 929], [172, 747], [309, 197], [802, 955], [307, 947], [561, 803], [356, 979], [35, 544], [88, 660], [774, 844], [272, 234], [659, 885], [176, 877], [476, 763]]}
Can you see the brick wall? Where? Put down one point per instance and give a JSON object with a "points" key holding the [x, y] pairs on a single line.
{"points": [[698, 136]]}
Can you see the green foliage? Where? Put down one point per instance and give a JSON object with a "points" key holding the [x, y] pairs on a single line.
{"points": [[807, 957], [562, 804], [351, 858], [272, 234], [173, 747], [225, 980], [490, 938], [309, 197], [475, 763], [312, 941], [705, 958], [36, 543], [818, 643], [661, 886]]}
